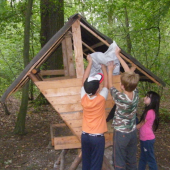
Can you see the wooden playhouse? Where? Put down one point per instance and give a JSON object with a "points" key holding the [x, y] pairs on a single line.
{"points": [[77, 39]]}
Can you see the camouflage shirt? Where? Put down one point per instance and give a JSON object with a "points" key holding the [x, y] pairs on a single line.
{"points": [[125, 115]]}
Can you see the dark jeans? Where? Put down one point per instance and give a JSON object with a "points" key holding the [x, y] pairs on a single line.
{"points": [[147, 155], [124, 150], [92, 152]]}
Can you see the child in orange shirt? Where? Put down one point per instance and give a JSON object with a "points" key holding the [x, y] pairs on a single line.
{"points": [[94, 119]]}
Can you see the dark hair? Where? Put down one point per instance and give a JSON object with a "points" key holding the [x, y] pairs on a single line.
{"points": [[154, 104], [91, 87]]}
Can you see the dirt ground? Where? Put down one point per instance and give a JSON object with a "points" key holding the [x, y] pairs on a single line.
{"points": [[34, 152]]}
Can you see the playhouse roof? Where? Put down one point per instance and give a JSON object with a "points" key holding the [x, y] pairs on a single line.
{"points": [[92, 39]]}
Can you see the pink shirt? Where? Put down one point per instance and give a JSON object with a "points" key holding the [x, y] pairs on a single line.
{"points": [[146, 132]]}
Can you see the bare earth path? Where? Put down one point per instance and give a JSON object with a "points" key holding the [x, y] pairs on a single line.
{"points": [[33, 152]]}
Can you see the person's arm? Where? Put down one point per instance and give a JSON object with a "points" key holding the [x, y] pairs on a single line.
{"points": [[87, 71], [110, 73], [123, 63], [133, 68], [105, 76], [138, 126]]}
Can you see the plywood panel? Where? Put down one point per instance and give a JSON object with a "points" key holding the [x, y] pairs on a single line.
{"points": [[75, 123], [67, 107], [66, 142], [67, 91], [65, 99], [72, 115], [44, 85], [109, 103], [116, 78], [62, 108]]}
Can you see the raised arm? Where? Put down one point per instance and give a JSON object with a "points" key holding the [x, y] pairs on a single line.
{"points": [[110, 73], [123, 63], [87, 71], [105, 75]]}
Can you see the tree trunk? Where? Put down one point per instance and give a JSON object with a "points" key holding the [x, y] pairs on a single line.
{"points": [[128, 39], [52, 19], [20, 124]]}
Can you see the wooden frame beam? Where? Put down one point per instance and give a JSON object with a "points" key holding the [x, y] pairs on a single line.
{"points": [[65, 60], [88, 46], [51, 72], [94, 46], [93, 33], [77, 41]]}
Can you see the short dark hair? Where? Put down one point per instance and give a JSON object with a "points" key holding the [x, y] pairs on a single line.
{"points": [[91, 84], [91, 87]]}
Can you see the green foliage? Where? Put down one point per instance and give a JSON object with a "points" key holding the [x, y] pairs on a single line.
{"points": [[164, 115], [148, 30], [11, 36]]}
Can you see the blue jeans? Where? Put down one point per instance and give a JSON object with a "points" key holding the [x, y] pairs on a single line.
{"points": [[92, 152], [147, 155]]}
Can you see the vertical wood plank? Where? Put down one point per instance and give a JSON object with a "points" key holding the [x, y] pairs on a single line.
{"points": [[70, 58], [77, 41], [65, 62]]}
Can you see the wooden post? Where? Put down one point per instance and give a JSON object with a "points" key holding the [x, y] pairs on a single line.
{"points": [[60, 161], [70, 59], [65, 59], [76, 162], [33, 77], [77, 41]]}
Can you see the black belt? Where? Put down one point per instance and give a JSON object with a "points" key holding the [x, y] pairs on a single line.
{"points": [[90, 134]]}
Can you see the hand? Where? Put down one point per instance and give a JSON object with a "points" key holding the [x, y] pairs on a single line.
{"points": [[117, 51], [111, 66], [89, 59], [103, 66], [137, 126]]}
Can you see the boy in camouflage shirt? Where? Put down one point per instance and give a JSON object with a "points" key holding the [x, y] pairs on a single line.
{"points": [[124, 121]]}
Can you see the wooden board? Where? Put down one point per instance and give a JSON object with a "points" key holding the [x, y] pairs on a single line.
{"points": [[71, 142], [64, 96], [66, 142], [77, 41]]}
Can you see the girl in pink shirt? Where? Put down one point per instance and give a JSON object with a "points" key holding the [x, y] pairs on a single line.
{"points": [[148, 123]]}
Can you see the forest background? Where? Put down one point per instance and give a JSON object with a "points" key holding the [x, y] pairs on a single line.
{"points": [[140, 27]]}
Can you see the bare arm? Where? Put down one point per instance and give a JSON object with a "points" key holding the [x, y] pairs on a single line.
{"points": [[110, 73], [123, 63], [87, 71], [105, 75], [133, 68]]}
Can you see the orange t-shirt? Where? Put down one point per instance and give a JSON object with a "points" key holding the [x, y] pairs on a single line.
{"points": [[94, 117]]}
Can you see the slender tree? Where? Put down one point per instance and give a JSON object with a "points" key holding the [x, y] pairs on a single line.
{"points": [[20, 124]]}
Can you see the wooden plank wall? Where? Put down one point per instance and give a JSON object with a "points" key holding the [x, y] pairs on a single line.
{"points": [[64, 96]]}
